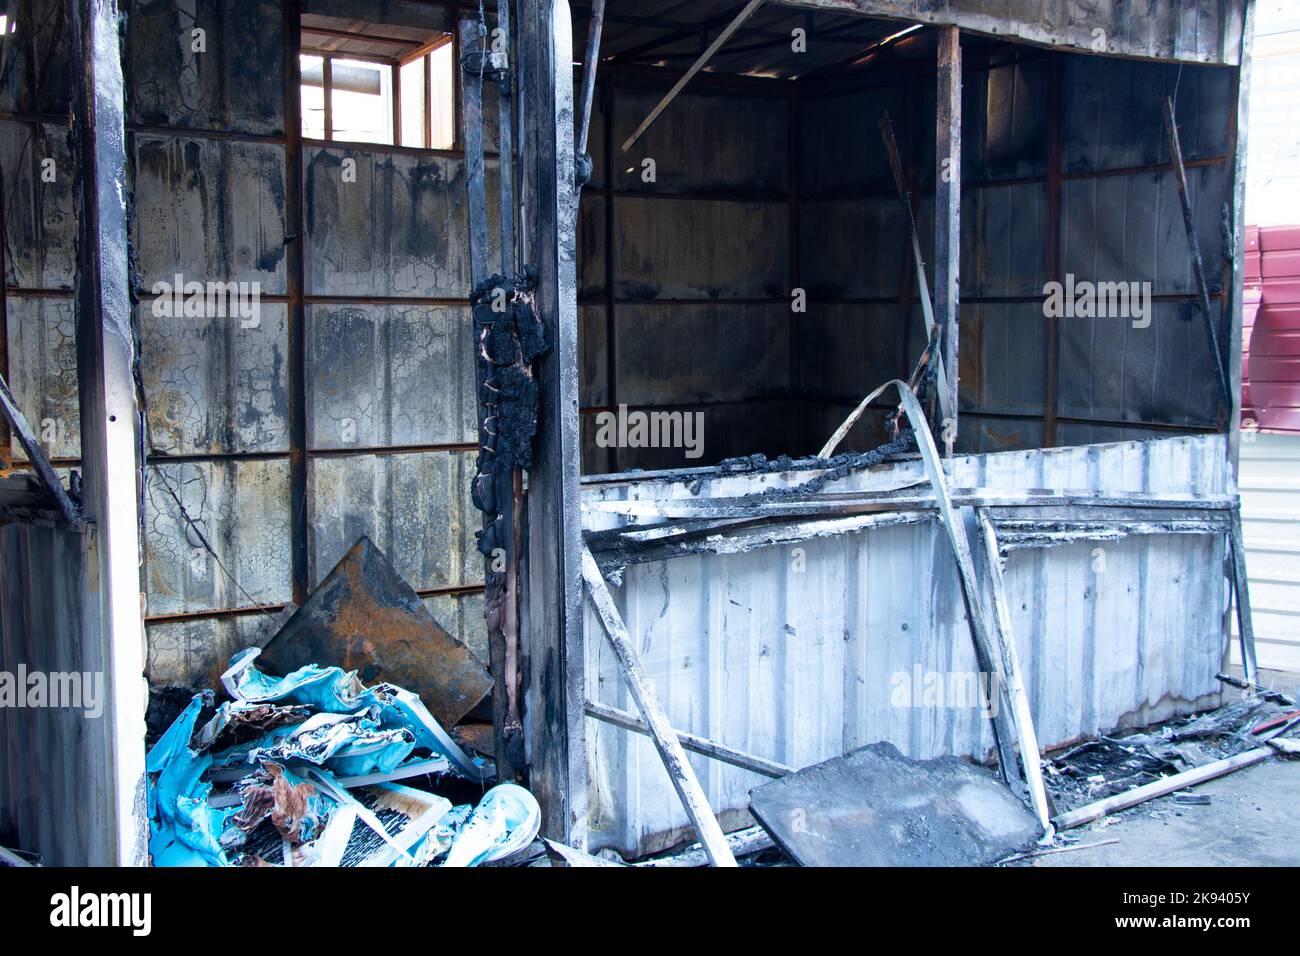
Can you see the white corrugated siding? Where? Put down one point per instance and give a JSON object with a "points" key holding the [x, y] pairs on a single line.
{"points": [[1270, 513], [799, 666]]}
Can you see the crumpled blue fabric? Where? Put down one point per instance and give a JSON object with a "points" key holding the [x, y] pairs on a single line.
{"points": [[184, 830]]}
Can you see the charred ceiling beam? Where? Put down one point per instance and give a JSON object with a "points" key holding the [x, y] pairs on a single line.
{"points": [[746, 12]]}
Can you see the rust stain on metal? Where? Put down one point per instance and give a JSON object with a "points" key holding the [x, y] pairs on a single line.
{"points": [[364, 617]]}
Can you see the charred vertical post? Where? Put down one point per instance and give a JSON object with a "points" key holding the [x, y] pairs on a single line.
{"points": [[495, 489], [947, 215], [111, 454], [1238, 226], [1052, 246], [296, 312], [555, 679]]}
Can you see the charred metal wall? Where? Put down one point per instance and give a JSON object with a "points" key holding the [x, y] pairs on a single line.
{"points": [[766, 186], [347, 409], [1065, 171], [685, 267]]}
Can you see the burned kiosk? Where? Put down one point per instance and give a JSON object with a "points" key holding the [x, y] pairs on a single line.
{"points": [[993, 216]]}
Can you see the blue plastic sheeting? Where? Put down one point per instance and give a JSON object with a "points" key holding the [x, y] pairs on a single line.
{"points": [[287, 740], [504, 822], [328, 689], [184, 830]]}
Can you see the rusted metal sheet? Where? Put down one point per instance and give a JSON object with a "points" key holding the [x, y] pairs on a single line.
{"points": [[364, 617], [800, 651]]}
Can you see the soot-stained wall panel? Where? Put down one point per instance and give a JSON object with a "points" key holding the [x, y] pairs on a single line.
{"points": [[593, 356], [216, 385], [700, 249], [852, 248], [1002, 240], [1001, 362], [981, 434], [840, 146], [390, 375], [848, 350], [1004, 121], [1113, 112], [37, 74], [193, 653], [591, 245], [723, 430], [39, 175], [1163, 373], [242, 510], [463, 615], [399, 230], [42, 342], [229, 77], [671, 355], [416, 507], [706, 142], [1129, 228], [210, 210]]}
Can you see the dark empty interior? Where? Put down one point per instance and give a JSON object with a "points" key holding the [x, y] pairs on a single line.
{"points": [[771, 176]]}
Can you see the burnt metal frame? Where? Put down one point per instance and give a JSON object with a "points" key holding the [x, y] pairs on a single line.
{"points": [[111, 451]]}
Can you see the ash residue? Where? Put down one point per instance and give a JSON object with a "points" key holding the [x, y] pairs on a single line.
{"points": [[837, 467]]}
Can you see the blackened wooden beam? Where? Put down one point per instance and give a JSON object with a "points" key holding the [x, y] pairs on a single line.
{"points": [[1198, 265], [589, 61], [501, 571]]}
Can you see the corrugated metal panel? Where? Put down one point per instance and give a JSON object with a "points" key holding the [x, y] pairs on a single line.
{"points": [[1270, 511], [798, 658], [55, 762]]}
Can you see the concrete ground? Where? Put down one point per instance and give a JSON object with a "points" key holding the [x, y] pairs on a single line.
{"points": [[1253, 819]]}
